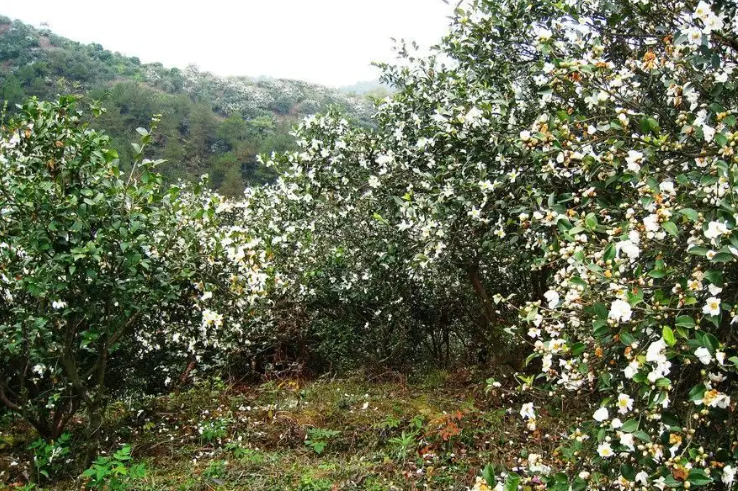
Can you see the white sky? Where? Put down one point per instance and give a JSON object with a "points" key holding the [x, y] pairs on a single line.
{"points": [[331, 42]]}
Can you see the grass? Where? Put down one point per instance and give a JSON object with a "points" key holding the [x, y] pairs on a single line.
{"points": [[350, 434]]}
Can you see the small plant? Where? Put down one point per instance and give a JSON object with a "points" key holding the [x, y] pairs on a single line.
{"points": [[48, 457], [402, 444], [390, 422], [418, 421], [213, 430], [114, 473], [309, 483], [244, 454], [318, 438], [446, 426], [216, 469]]}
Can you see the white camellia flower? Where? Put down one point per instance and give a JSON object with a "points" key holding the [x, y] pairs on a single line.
{"points": [[543, 34], [703, 10], [728, 475], [712, 23], [374, 181], [632, 369], [651, 222], [616, 423], [527, 411], [625, 403], [634, 160], [714, 290], [525, 135], [667, 187], [605, 450], [629, 248], [626, 440], [720, 357], [712, 306], [620, 311], [715, 230], [708, 132], [694, 35], [642, 478], [210, 318], [58, 304], [704, 355], [552, 297], [601, 414], [654, 353]]}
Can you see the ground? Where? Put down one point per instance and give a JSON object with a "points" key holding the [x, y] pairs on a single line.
{"points": [[362, 432]]}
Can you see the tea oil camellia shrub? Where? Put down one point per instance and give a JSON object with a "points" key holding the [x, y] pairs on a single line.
{"points": [[97, 268], [561, 174]]}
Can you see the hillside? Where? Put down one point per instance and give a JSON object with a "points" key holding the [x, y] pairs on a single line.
{"points": [[210, 124]]}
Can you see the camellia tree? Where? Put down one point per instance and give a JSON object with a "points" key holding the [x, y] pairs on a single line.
{"points": [[572, 165], [100, 269]]}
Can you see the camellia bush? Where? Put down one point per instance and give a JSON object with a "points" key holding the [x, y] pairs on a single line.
{"points": [[570, 167], [102, 272], [557, 175]]}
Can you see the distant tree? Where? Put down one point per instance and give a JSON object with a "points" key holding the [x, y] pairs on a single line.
{"points": [[11, 91]]}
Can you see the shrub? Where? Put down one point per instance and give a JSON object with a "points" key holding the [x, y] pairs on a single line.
{"points": [[96, 264], [570, 167]]}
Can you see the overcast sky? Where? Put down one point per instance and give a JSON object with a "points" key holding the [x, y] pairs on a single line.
{"points": [[331, 42]]}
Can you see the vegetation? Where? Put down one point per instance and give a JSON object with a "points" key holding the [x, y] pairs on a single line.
{"points": [[209, 124], [553, 202]]}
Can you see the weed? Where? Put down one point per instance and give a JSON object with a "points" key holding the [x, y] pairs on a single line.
{"points": [[115, 472], [318, 438], [402, 444], [49, 457]]}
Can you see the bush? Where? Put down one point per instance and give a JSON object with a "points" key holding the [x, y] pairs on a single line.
{"points": [[95, 264], [572, 169]]}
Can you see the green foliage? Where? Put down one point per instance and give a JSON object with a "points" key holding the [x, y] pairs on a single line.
{"points": [[403, 444], [49, 458], [213, 430], [91, 258], [318, 438], [114, 472], [203, 117]]}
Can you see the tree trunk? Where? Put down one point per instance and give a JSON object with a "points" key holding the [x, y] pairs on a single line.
{"points": [[94, 425], [488, 341]]}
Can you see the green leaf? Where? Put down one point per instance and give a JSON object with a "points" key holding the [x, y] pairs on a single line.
{"points": [[698, 477], [488, 474], [600, 310], [721, 139], [671, 228], [629, 426], [715, 277], [591, 221], [697, 393], [626, 338], [690, 213], [642, 435], [668, 336], [512, 482], [685, 321], [722, 257], [698, 251]]}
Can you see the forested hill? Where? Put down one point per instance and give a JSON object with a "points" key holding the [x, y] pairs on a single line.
{"points": [[209, 124]]}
